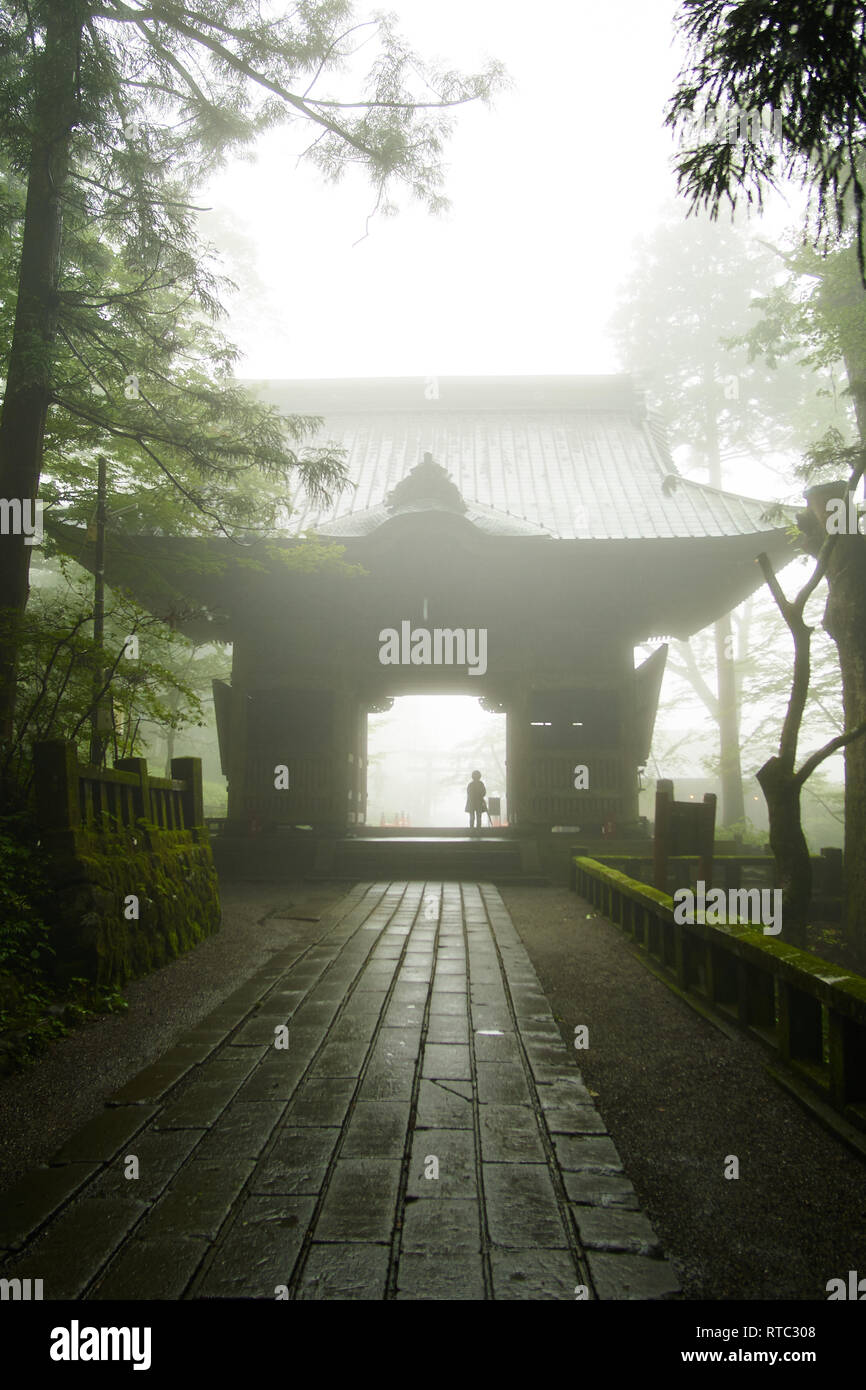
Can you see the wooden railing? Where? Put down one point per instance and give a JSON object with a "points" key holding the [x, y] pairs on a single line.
{"points": [[810, 1012], [742, 870], [74, 796]]}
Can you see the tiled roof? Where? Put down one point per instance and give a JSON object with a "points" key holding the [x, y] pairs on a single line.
{"points": [[568, 457]]}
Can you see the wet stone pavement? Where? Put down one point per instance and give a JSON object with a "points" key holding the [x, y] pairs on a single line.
{"points": [[425, 1134]]}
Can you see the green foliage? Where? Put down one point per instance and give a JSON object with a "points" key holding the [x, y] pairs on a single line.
{"points": [[816, 317], [138, 367], [23, 933], [829, 459], [34, 1015], [803, 62], [87, 998], [726, 382], [161, 689], [116, 113], [744, 831]]}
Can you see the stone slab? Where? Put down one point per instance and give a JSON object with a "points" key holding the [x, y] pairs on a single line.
{"points": [[103, 1136], [522, 1211], [69, 1255], [345, 1273], [258, 1254], [440, 1277], [198, 1200], [360, 1204], [297, 1162], [538, 1276], [631, 1277], [36, 1197]]}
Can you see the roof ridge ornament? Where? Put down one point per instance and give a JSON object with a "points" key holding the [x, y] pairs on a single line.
{"points": [[426, 482]]}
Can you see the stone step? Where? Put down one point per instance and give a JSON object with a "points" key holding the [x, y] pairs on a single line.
{"points": [[429, 856]]}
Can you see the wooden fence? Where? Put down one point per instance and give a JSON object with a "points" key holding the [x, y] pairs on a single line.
{"points": [[810, 1012], [74, 796], [740, 870]]}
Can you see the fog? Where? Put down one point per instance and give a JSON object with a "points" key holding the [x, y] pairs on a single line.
{"points": [[552, 193]]}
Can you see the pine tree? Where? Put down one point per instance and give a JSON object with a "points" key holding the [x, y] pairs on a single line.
{"points": [[111, 113]]}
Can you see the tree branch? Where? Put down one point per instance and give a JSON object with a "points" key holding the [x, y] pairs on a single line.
{"points": [[693, 675], [840, 741], [801, 635], [225, 54]]}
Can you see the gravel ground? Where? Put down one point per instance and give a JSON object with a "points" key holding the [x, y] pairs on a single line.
{"points": [[42, 1105], [678, 1095]]}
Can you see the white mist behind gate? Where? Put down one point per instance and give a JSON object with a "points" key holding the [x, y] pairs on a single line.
{"points": [[421, 755]]}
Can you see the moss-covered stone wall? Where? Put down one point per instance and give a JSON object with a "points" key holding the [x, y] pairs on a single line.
{"points": [[101, 881]]}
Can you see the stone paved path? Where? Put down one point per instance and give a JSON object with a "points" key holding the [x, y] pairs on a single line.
{"points": [[424, 1135]]}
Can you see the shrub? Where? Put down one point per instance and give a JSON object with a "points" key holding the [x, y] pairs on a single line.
{"points": [[23, 932]]}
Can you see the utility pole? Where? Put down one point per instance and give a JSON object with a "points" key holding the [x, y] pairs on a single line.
{"points": [[97, 741]]}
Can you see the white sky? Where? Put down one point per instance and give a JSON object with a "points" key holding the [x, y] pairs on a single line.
{"points": [[549, 189]]}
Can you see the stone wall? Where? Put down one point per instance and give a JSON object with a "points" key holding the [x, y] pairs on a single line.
{"points": [[129, 893]]}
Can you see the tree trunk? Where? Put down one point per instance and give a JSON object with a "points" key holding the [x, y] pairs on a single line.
{"points": [[845, 620], [788, 843], [730, 768], [169, 751], [730, 765], [28, 378]]}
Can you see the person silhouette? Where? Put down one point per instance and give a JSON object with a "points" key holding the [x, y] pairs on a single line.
{"points": [[475, 803]]}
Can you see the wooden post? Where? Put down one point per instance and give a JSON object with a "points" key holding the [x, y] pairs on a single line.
{"points": [[679, 955], [755, 996], [55, 764], [706, 838], [800, 1034], [847, 1045], [142, 791], [662, 834], [189, 770], [97, 731]]}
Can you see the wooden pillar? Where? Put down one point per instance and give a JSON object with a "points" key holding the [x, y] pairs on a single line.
{"points": [[55, 765], [517, 759], [361, 763], [237, 771], [662, 833], [800, 1030], [189, 770], [847, 1047], [755, 996], [349, 760]]}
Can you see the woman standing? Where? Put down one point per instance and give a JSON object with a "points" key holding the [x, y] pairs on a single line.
{"points": [[475, 803]]}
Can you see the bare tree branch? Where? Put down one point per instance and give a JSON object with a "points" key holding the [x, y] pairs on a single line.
{"points": [[840, 741]]}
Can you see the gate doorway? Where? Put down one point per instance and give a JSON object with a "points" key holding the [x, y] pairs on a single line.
{"points": [[421, 754]]}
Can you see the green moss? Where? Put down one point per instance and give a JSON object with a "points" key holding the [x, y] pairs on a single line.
{"points": [[749, 942], [630, 886], [172, 875]]}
